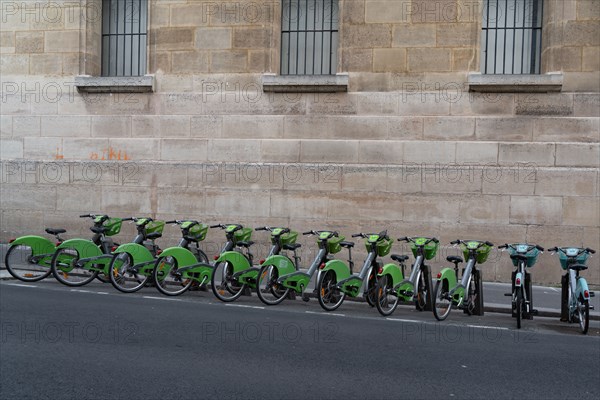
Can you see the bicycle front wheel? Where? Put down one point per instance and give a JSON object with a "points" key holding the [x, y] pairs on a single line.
{"points": [[583, 310], [371, 295], [167, 277], [67, 271], [123, 276], [387, 300], [442, 304], [519, 306], [422, 293], [20, 263], [330, 297], [268, 290], [223, 283]]}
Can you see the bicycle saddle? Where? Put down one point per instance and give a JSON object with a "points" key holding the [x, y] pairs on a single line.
{"points": [[399, 258], [55, 231]]}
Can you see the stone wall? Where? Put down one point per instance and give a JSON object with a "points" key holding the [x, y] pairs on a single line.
{"points": [[408, 148]]}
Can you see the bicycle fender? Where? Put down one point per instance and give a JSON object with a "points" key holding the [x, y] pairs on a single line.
{"points": [[85, 248], [341, 270], [448, 275], [519, 277], [283, 264], [39, 245], [236, 259], [138, 252], [394, 271], [582, 288], [183, 256]]}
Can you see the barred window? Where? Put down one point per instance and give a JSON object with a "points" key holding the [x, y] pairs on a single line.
{"points": [[124, 32], [309, 37], [511, 41]]}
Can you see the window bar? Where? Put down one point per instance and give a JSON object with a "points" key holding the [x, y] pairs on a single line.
{"points": [[330, 36], [496, 38], [534, 13], [487, 31], [514, 36], [109, 37], [297, 36], [131, 41], [505, 30], [139, 72], [289, 53], [305, 37], [523, 38], [314, 35], [124, 35], [322, 36]]}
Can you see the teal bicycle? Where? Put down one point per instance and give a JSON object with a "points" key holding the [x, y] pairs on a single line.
{"points": [[523, 256], [573, 260]]}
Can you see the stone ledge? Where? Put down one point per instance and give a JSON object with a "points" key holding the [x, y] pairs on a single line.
{"points": [[515, 83], [115, 84], [305, 83]]}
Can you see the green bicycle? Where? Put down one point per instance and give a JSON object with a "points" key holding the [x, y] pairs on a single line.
{"points": [[468, 293], [76, 262], [132, 263], [337, 280], [279, 276], [28, 257], [178, 268], [391, 285]]}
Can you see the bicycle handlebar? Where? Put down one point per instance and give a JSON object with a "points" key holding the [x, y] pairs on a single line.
{"points": [[590, 250], [217, 226], [262, 228]]}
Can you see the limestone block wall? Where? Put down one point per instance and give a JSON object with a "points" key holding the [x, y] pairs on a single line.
{"points": [[407, 148]]}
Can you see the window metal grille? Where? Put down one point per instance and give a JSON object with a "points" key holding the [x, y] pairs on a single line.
{"points": [[124, 34], [309, 37], [512, 36]]}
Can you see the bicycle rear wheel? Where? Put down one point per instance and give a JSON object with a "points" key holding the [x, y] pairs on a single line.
{"points": [[387, 300], [123, 276], [268, 290], [167, 277], [519, 306], [442, 304], [583, 310], [20, 264], [67, 271], [223, 283]]}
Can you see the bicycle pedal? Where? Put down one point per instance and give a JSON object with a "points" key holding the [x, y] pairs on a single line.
{"points": [[508, 294], [247, 292], [305, 298]]}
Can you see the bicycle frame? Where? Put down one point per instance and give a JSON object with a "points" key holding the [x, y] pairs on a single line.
{"points": [[289, 274]]}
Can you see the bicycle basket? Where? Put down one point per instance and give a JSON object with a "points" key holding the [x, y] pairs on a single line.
{"points": [[333, 244], [482, 253], [532, 255], [383, 247], [198, 232], [155, 227], [565, 261], [113, 226], [243, 235], [289, 238], [430, 249]]}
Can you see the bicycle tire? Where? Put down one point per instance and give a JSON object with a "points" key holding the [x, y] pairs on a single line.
{"points": [[20, 255], [441, 304]]}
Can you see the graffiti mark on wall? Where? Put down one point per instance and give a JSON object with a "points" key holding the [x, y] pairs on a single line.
{"points": [[110, 154]]}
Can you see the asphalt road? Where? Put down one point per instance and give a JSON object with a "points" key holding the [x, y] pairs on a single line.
{"points": [[94, 343]]}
